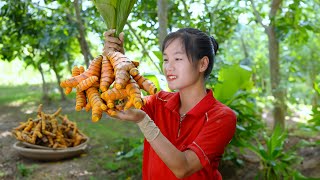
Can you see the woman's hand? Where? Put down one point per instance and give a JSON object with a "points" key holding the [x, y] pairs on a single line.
{"points": [[112, 43], [133, 115]]}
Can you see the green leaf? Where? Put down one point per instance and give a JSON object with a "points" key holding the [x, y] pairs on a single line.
{"points": [[233, 79], [107, 9], [316, 87], [239, 127], [277, 138], [111, 166], [262, 152], [115, 12], [158, 54], [122, 12], [134, 151]]}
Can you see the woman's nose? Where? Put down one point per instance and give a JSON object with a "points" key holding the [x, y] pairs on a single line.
{"points": [[168, 66]]}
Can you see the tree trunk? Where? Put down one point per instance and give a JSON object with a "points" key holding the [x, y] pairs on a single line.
{"points": [[277, 90], [273, 47], [163, 20], [45, 93], [316, 96], [315, 99], [82, 38], [69, 65], [63, 96]]}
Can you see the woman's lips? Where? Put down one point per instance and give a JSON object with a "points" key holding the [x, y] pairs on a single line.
{"points": [[171, 77]]}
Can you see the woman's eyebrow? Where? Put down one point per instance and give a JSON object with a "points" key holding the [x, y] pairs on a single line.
{"points": [[179, 52]]}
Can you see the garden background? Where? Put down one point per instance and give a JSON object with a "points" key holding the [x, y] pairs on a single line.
{"points": [[267, 70]]}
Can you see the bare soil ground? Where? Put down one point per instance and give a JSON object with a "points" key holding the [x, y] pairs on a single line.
{"points": [[84, 167], [14, 166]]}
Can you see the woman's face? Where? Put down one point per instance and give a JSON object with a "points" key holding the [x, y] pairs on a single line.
{"points": [[180, 72]]}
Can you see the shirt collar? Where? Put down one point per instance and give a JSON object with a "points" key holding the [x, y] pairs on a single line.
{"points": [[202, 107]]}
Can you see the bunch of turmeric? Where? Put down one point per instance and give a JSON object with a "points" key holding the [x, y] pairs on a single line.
{"points": [[46, 130], [112, 82]]}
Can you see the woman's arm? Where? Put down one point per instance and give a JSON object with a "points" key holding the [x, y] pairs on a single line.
{"points": [[182, 164]]}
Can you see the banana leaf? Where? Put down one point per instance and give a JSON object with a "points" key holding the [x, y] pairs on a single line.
{"points": [[115, 12]]}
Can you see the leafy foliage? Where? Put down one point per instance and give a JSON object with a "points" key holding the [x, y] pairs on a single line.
{"points": [[115, 12], [131, 153], [276, 161], [234, 89], [40, 35], [24, 170]]}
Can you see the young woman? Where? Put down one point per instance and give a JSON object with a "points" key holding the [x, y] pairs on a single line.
{"points": [[187, 130]]}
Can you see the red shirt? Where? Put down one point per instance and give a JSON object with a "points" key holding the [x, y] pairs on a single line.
{"points": [[206, 129]]}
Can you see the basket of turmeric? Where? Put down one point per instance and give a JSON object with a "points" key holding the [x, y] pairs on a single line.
{"points": [[49, 137]]}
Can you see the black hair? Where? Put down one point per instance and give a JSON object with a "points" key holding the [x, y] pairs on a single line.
{"points": [[197, 44]]}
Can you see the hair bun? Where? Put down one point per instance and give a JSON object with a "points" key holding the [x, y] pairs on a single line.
{"points": [[215, 44]]}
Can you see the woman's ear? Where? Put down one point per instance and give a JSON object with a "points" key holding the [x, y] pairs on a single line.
{"points": [[203, 64]]}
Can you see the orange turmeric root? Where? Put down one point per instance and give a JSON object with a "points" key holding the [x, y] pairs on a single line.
{"points": [[123, 68], [114, 70], [111, 112], [81, 98], [28, 126], [46, 131], [36, 133], [75, 72], [55, 114], [134, 93], [93, 70], [39, 111], [81, 69], [85, 84], [18, 135], [77, 139], [110, 103], [88, 106], [96, 103], [107, 74], [145, 84], [114, 94]]}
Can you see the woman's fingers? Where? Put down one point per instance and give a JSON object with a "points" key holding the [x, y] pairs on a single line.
{"points": [[133, 115], [121, 37], [111, 39], [112, 47], [113, 43], [109, 32]]}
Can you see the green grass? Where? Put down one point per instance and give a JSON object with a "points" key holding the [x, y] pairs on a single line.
{"points": [[19, 94]]}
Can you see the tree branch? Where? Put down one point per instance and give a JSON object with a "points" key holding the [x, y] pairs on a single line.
{"points": [[162, 20], [216, 7], [188, 14], [257, 15], [142, 45], [211, 13], [82, 37], [275, 5]]}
